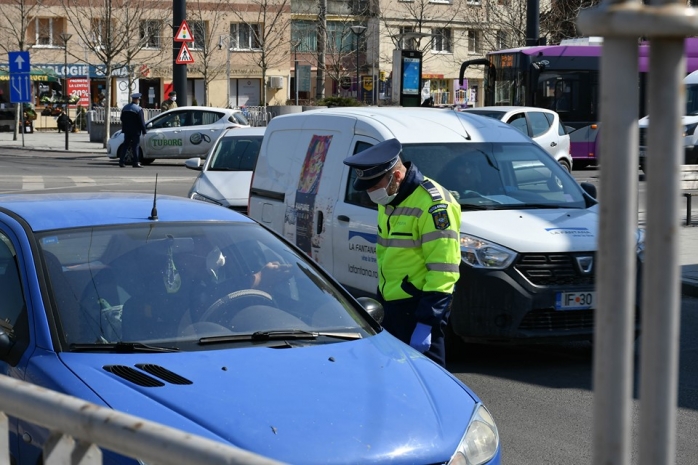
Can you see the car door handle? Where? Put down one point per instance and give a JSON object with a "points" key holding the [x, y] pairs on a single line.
{"points": [[343, 218]]}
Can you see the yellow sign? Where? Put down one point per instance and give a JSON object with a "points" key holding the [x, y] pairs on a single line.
{"points": [[367, 83]]}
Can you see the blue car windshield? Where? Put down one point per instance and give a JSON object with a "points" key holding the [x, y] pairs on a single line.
{"points": [[177, 284], [497, 175]]}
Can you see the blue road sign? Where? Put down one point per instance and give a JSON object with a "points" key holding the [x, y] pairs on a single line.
{"points": [[20, 82]]}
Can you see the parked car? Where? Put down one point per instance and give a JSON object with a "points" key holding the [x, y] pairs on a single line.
{"points": [[540, 124], [199, 318], [227, 171], [183, 132]]}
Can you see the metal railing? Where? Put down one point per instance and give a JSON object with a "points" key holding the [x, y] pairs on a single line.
{"points": [[115, 116], [665, 23], [78, 427], [257, 115]]}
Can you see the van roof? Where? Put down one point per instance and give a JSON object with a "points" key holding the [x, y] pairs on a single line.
{"points": [[412, 125], [691, 78]]}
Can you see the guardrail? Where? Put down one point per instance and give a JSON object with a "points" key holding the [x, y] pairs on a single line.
{"points": [[69, 418]]}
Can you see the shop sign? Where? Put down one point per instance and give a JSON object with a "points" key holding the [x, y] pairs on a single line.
{"points": [[81, 88]]}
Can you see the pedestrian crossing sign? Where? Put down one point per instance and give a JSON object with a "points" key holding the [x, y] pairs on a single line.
{"points": [[184, 33], [184, 57]]}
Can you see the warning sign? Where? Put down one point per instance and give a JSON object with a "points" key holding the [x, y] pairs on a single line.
{"points": [[184, 33], [184, 57]]}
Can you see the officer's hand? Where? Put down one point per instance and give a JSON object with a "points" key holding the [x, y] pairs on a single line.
{"points": [[421, 338]]}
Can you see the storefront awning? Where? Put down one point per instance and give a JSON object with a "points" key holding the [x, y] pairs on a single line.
{"points": [[36, 74]]}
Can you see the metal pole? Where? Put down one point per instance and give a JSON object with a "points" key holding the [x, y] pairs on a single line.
{"points": [[661, 302], [227, 71], [66, 37], [295, 69], [179, 72]]}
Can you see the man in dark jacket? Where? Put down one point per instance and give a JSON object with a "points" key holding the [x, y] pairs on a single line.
{"points": [[132, 125]]}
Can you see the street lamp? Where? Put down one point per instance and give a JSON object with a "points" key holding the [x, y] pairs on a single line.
{"points": [[296, 44], [66, 37], [225, 40], [357, 30]]}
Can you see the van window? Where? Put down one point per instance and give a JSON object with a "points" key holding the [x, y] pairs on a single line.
{"points": [[353, 196]]}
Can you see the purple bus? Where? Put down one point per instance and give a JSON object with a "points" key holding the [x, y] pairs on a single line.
{"points": [[564, 78]]}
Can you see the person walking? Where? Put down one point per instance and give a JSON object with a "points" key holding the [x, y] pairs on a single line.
{"points": [[418, 248], [132, 125], [170, 103]]}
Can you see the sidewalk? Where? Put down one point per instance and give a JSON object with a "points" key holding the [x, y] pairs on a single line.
{"points": [[52, 141]]}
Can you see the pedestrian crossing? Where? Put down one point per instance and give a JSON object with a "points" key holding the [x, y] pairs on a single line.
{"points": [[13, 184]]}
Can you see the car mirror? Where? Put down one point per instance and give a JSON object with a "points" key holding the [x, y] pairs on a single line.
{"points": [[373, 307], [149, 126], [5, 343], [193, 163], [589, 188], [569, 129]]}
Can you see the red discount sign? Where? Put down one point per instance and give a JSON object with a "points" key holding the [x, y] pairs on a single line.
{"points": [[79, 88]]}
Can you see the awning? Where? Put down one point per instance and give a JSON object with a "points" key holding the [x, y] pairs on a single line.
{"points": [[36, 74]]}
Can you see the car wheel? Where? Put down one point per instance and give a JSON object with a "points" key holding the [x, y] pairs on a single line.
{"points": [[565, 164]]}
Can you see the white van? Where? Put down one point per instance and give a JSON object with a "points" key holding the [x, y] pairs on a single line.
{"points": [[689, 121], [528, 229]]}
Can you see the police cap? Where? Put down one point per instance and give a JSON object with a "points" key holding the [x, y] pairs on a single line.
{"points": [[371, 164], [172, 94], [136, 95]]}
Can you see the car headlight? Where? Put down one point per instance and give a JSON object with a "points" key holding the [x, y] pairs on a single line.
{"points": [[640, 244], [689, 129], [480, 253], [197, 196], [480, 442]]}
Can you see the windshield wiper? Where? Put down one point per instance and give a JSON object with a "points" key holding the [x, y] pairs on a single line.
{"points": [[472, 206], [538, 205], [278, 335], [121, 348]]}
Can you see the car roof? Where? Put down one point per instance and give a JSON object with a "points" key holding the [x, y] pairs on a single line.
{"points": [[245, 131], [45, 212], [507, 108], [435, 125]]}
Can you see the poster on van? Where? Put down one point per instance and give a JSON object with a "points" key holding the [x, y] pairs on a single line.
{"points": [[307, 189]]}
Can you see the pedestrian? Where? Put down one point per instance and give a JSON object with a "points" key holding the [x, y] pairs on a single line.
{"points": [[171, 102], [418, 248], [63, 122], [132, 125]]}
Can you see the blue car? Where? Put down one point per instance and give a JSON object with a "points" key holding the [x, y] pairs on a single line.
{"points": [[196, 317]]}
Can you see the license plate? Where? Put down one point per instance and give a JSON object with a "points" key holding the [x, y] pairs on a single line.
{"points": [[575, 300]]}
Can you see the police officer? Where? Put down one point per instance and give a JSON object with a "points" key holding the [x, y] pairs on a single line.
{"points": [[132, 125], [171, 102], [418, 249]]}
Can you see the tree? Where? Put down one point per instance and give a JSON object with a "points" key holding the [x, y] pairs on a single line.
{"points": [[204, 19], [14, 23], [107, 28], [267, 23], [559, 20]]}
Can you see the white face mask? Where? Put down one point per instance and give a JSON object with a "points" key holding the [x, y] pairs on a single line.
{"points": [[380, 196], [174, 99]]}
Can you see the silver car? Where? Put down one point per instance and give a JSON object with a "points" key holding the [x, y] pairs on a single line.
{"points": [[227, 172], [183, 132], [541, 125]]}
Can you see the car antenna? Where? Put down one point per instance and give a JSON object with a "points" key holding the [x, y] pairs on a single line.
{"points": [[154, 211]]}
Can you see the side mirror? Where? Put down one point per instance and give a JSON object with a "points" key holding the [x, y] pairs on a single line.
{"points": [[193, 163], [589, 188], [149, 126], [373, 307], [6, 343]]}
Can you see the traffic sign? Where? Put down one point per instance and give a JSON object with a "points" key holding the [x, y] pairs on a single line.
{"points": [[184, 57], [19, 62], [20, 82], [184, 33]]}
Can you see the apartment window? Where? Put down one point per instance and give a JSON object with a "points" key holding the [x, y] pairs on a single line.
{"points": [[340, 38], [150, 33], [472, 2], [474, 41], [198, 30], [306, 33], [98, 31], [245, 36], [502, 40], [46, 32], [441, 40], [407, 43]]}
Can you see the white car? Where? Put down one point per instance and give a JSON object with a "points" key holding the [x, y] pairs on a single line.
{"points": [[227, 171], [540, 124], [183, 132]]}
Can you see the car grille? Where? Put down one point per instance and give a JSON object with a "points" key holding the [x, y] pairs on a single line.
{"points": [[554, 269], [551, 320], [643, 137]]}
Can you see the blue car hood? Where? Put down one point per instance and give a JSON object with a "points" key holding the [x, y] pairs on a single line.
{"points": [[363, 401]]}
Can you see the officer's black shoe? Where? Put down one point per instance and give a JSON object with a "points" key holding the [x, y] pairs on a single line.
{"points": [[138, 166], [121, 165]]}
